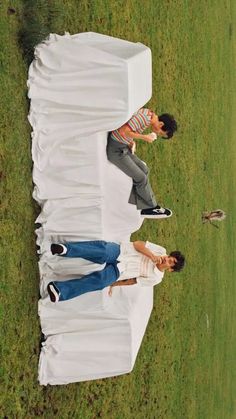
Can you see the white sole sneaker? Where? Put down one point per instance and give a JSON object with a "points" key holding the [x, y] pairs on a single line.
{"points": [[53, 294], [158, 215]]}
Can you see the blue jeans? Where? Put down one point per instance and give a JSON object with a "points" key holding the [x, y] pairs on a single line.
{"points": [[98, 252]]}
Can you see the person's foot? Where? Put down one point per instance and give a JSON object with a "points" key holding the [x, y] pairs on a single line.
{"points": [[58, 249], [53, 292], [156, 212]]}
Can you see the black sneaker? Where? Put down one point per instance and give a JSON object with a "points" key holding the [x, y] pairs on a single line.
{"points": [[157, 212], [58, 249], [53, 292]]}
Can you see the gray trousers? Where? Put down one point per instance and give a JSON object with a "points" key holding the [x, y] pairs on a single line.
{"points": [[141, 194]]}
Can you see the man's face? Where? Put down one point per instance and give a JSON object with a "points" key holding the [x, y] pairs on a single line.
{"points": [[167, 263], [157, 126]]}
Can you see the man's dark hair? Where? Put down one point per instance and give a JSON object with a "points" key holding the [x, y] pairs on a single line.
{"points": [[170, 124], [180, 260]]}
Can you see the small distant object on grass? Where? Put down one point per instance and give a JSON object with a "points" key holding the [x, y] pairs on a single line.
{"points": [[216, 215], [11, 11]]}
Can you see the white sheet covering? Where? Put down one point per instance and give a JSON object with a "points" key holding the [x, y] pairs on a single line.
{"points": [[80, 87]]}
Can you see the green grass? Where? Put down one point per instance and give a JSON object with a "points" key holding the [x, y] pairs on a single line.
{"points": [[186, 365]]}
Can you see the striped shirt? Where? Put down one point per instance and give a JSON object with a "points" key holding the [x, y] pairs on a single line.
{"points": [[138, 123], [133, 264]]}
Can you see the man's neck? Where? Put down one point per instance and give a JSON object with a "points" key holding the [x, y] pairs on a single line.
{"points": [[160, 268]]}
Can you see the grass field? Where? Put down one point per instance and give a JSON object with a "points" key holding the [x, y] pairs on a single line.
{"points": [[186, 365]]}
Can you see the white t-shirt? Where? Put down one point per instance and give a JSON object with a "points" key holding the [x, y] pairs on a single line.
{"points": [[134, 264]]}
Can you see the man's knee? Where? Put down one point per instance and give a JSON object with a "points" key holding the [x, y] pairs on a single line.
{"points": [[140, 178]]}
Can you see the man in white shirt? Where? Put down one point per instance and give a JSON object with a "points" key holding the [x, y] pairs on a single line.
{"points": [[138, 262]]}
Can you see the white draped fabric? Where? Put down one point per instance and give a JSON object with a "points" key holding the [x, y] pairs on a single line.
{"points": [[81, 87]]}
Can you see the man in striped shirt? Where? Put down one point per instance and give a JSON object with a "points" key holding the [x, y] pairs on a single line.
{"points": [[120, 151], [127, 263]]}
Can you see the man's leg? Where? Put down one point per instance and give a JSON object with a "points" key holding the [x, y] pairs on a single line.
{"points": [[66, 290], [141, 195], [136, 195], [98, 251], [144, 168]]}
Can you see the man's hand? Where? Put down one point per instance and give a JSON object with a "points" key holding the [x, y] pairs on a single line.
{"points": [[156, 259], [150, 138], [154, 135], [140, 246], [110, 291]]}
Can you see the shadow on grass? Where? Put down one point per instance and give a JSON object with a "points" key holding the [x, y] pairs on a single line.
{"points": [[36, 21]]}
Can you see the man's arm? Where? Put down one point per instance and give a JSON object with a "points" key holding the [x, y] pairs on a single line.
{"points": [[135, 135], [140, 246], [130, 281]]}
